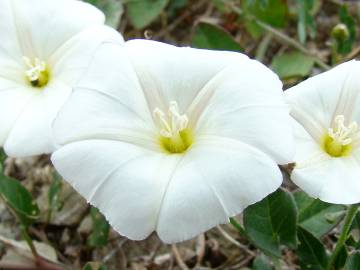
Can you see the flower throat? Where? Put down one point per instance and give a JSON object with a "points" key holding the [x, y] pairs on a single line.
{"points": [[175, 136]]}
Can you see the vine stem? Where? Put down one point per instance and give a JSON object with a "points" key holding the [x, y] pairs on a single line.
{"points": [[350, 215]]}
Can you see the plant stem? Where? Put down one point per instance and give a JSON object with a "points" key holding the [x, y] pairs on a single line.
{"points": [[350, 215], [28, 240], [238, 226]]}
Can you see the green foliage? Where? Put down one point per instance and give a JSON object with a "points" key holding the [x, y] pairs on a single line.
{"points": [[2, 160], [94, 266], [209, 36], [19, 200], [100, 229], [273, 12], [292, 65], [261, 263], [54, 195], [311, 251], [344, 46], [305, 19], [272, 222], [353, 261], [316, 216], [142, 13], [112, 9]]}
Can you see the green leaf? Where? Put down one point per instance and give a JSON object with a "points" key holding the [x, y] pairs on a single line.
{"points": [[2, 160], [305, 19], [272, 222], [142, 13], [261, 263], [209, 36], [100, 229], [113, 9], [19, 200], [94, 266], [54, 195], [292, 65], [353, 261], [341, 258], [315, 215], [311, 252], [273, 12]]}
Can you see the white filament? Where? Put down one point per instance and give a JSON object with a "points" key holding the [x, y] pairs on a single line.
{"points": [[341, 133], [173, 123], [35, 68]]}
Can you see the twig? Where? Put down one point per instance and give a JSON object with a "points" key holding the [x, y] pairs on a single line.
{"points": [[178, 258], [233, 241], [200, 249]]}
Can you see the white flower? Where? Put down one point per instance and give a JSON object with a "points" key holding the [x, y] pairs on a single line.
{"points": [[45, 46], [327, 112], [173, 140]]}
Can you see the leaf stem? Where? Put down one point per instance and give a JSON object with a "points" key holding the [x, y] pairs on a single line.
{"points": [[238, 226], [350, 215]]}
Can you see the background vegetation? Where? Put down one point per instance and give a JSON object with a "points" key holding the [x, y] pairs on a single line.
{"points": [[45, 224]]}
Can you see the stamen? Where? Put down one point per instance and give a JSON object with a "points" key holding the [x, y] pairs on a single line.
{"points": [[338, 140], [175, 137], [342, 134], [37, 72]]}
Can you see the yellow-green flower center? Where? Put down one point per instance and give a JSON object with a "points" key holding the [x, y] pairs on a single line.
{"points": [[175, 136], [37, 73], [338, 141]]}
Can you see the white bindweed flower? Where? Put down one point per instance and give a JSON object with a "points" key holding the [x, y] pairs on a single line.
{"points": [[45, 46], [173, 140], [327, 113]]}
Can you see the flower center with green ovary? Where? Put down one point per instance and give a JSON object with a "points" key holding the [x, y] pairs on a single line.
{"points": [[37, 73], [175, 136], [338, 141]]}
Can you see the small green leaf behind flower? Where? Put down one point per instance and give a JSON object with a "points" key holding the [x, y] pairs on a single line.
{"points": [[316, 216], [353, 261], [100, 229], [142, 13], [272, 222], [311, 252], [210, 36], [292, 65], [55, 204], [19, 200]]}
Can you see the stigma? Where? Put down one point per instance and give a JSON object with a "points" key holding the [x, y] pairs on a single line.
{"points": [[37, 72], [339, 139], [175, 136]]}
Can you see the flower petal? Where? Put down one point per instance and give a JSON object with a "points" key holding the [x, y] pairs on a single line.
{"points": [[124, 181], [216, 180], [333, 180], [249, 110], [316, 101], [168, 73], [108, 102], [44, 25], [31, 133], [13, 99], [69, 62]]}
